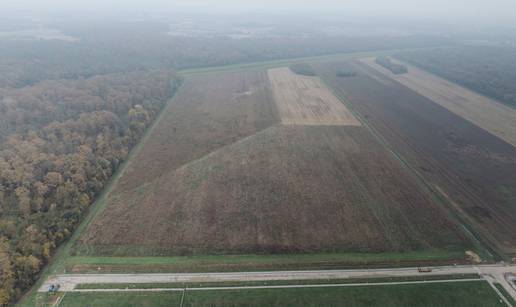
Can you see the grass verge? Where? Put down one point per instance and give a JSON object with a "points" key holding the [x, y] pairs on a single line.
{"points": [[288, 62], [228, 263], [455, 294], [275, 282], [505, 293], [154, 299]]}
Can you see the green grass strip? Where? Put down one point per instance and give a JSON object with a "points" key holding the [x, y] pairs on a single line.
{"points": [[273, 282], [505, 293]]}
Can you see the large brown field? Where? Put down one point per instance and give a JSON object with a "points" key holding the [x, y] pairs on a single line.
{"points": [[493, 116], [220, 174], [472, 168], [207, 113]]}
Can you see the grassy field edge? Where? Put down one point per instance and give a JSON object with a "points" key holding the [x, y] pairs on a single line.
{"points": [[232, 263], [290, 61]]}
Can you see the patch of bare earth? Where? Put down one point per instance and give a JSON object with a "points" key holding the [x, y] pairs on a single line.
{"points": [[473, 257], [304, 100]]}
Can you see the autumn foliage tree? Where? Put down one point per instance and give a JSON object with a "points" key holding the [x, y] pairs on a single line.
{"points": [[60, 142]]}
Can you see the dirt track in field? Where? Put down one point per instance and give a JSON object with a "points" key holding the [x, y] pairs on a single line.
{"points": [[304, 100], [494, 117]]}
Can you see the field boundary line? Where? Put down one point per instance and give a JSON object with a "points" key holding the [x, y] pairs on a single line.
{"points": [[183, 297], [217, 150], [59, 300], [191, 162]]}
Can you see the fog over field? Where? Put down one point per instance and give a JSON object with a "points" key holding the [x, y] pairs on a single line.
{"points": [[498, 11]]}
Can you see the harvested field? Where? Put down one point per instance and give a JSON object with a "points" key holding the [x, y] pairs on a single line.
{"points": [[285, 189], [468, 165], [305, 100], [207, 113], [494, 117]]}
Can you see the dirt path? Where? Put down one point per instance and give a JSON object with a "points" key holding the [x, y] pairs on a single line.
{"points": [[68, 282]]}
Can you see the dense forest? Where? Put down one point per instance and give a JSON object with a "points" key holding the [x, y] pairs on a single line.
{"points": [[125, 47], [303, 69], [60, 142], [489, 70], [395, 68]]}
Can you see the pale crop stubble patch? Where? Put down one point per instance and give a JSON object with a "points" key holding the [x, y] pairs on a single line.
{"points": [[306, 101]]}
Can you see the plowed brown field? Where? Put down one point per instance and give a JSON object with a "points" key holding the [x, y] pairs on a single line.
{"points": [[207, 113], [217, 175], [470, 166], [494, 117]]}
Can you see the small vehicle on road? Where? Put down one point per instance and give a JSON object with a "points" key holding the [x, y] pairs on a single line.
{"points": [[53, 288], [424, 270]]}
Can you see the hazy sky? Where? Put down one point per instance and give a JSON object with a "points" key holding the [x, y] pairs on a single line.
{"points": [[504, 10]]}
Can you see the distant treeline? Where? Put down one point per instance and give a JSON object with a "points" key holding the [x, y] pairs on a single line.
{"points": [[488, 70], [303, 69], [346, 73], [396, 69], [124, 49], [60, 142]]}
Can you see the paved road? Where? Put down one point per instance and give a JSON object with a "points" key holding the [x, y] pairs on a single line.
{"points": [[499, 273]]}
